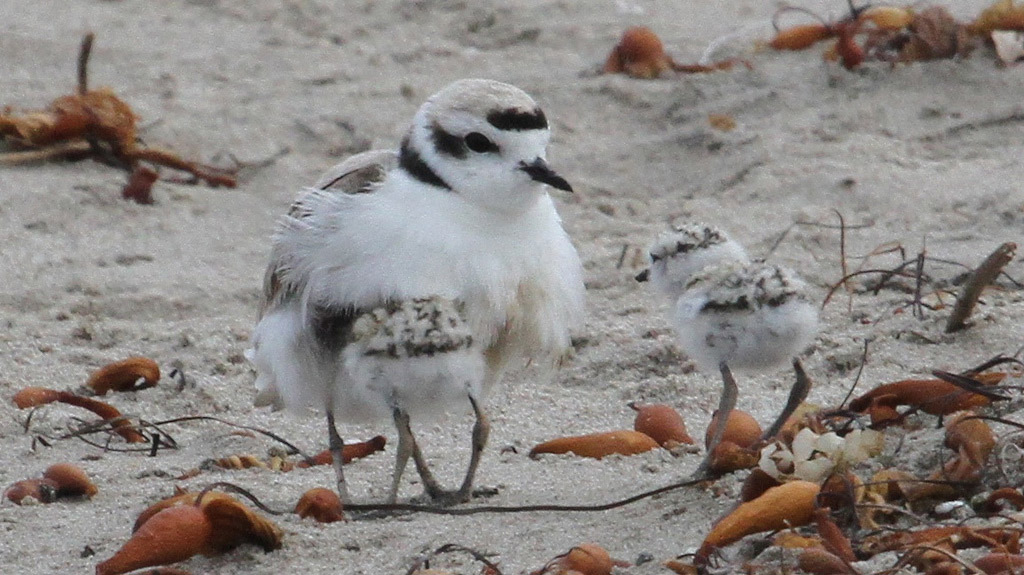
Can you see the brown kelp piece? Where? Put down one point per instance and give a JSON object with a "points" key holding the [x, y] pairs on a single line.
{"points": [[598, 445], [92, 124]]}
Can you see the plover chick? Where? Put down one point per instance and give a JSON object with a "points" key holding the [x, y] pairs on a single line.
{"points": [[456, 226], [745, 315], [686, 249], [730, 312]]}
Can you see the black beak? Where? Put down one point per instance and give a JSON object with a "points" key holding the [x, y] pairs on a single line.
{"points": [[644, 275], [540, 171]]}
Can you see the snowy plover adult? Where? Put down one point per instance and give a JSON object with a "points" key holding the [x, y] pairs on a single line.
{"points": [[407, 282], [731, 312]]}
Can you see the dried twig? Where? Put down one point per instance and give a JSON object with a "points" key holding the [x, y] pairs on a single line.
{"points": [[860, 371], [984, 275]]}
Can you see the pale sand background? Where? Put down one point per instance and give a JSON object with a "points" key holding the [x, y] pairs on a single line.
{"points": [[87, 278]]}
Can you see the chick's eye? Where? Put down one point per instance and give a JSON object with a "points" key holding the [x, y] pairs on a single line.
{"points": [[479, 143]]}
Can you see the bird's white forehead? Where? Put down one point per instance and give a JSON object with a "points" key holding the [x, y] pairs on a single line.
{"points": [[686, 238], [478, 98]]}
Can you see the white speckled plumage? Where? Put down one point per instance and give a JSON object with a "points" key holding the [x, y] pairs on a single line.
{"points": [[747, 315], [732, 312], [461, 215], [676, 255]]}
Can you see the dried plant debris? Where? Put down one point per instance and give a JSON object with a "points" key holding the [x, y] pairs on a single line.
{"points": [[119, 424], [641, 54], [350, 452], [981, 278], [95, 124], [902, 34], [923, 512]]}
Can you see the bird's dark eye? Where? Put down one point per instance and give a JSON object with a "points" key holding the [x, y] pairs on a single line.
{"points": [[479, 143]]}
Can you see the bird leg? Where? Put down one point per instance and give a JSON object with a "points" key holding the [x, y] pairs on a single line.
{"points": [[336, 445], [725, 407], [406, 441], [797, 395], [481, 430]]}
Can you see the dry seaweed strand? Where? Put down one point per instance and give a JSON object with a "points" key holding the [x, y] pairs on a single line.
{"points": [[93, 124], [423, 562], [921, 279], [980, 278]]}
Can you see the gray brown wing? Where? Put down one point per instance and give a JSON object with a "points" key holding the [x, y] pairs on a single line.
{"points": [[358, 174]]}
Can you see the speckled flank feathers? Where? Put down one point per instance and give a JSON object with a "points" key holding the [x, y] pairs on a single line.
{"points": [[748, 315], [413, 328]]}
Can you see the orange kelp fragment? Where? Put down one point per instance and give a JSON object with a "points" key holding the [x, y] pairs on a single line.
{"points": [[179, 527], [661, 423], [1008, 494], [639, 53], [933, 396], [174, 534], [887, 17], [789, 505], [598, 445], [71, 480], [41, 490], [821, 562], [801, 37], [1000, 564], [36, 396], [728, 457], [970, 437], [350, 452], [832, 537], [584, 559], [124, 375], [740, 428], [1001, 15], [321, 504]]}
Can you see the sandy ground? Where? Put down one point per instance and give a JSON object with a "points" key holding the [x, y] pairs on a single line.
{"points": [[925, 155]]}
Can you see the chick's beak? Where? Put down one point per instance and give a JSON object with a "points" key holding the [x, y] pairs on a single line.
{"points": [[540, 171]]}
